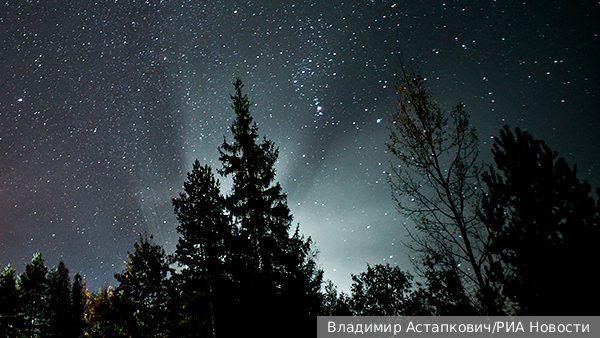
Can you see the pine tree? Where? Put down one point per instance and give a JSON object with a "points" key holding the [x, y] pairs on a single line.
{"points": [[236, 253], [59, 302], [144, 290], [79, 296], [543, 224], [33, 285], [202, 251], [274, 268], [10, 319]]}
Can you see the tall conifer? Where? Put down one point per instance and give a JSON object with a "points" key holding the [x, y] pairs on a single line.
{"points": [[144, 291], [276, 266], [238, 255], [59, 301], [33, 285], [10, 319], [202, 251], [543, 220]]}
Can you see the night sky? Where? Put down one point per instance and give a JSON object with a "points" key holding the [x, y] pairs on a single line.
{"points": [[105, 105]]}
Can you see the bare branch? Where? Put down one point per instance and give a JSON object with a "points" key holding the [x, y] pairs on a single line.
{"points": [[435, 181]]}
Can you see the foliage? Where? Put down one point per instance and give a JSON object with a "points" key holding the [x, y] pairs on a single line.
{"points": [[39, 303], [104, 315], [435, 183], [334, 304], [145, 290], [139, 306], [272, 267], [202, 250], [237, 251], [10, 311], [259, 210], [443, 294], [59, 302], [33, 287], [542, 220], [79, 296], [382, 290], [203, 226]]}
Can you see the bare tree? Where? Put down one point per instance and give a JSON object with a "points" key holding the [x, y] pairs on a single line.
{"points": [[435, 183]]}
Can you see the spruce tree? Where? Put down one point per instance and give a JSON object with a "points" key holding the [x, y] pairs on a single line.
{"points": [[202, 251], [237, 255], [59, 302], [544, 223], [144, 291], [33, 285], [79, 296], [10, 319], [274, 268]]}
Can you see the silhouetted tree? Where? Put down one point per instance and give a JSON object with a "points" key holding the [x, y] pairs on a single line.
{"points": [[202, 251], [10, 320], [442, 294], [435, 183], [334, 304], [33, 287], [79, 295], [272, 268], [59, 302], [144, 290], [382, 290], [106, 315], [544, 228]]}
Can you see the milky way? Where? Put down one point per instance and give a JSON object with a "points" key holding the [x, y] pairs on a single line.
{"points": [[104, 106]]}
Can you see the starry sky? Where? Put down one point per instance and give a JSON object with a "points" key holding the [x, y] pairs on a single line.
{"points": [[104, 105]]}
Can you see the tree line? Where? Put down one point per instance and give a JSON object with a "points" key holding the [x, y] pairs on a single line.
{"points": [[508, 238], [515, 235]]}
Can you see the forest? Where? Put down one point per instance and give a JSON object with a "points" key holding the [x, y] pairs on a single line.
{"points": [[512, 237]]}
